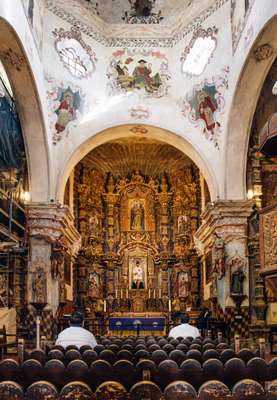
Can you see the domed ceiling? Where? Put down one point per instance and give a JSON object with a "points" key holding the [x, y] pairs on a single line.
{"points": [[149, 157], [141, 18]]}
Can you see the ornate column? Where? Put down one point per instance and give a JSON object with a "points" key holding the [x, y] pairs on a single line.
{"points": [[51, 231], [227, 221], [163, 199]]}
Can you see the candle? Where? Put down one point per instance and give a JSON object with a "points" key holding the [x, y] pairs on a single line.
{"points": [[160, 293], [105, 305], [126, 293], [169, 305], [116, 293], [154, 293], [121, 293], [149, 293]]}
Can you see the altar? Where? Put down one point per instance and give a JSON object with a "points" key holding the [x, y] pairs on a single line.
{"points": [[137, 325]]}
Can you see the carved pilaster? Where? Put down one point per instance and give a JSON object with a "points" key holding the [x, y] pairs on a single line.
{"points": [[111, 200], [164, 198], [227, 220], [51, 234]]}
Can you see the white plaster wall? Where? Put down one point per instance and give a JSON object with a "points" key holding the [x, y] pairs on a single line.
{"points": [[103, 111], [11, 11]]}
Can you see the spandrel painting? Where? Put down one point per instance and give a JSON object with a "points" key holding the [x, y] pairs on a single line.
{"points": [[139, 71], [240, 11], [34, 10], [204, 105], [66, 102]]}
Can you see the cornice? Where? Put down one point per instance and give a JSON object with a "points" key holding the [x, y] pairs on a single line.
{"points": [[54, 223]]}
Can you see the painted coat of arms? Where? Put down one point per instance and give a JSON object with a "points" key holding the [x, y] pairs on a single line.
{"points": [[205, 104], [65, 107], [142, 71]]}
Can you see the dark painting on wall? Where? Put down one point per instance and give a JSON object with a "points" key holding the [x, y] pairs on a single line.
{"points": [[209, 266], [67, 270]]}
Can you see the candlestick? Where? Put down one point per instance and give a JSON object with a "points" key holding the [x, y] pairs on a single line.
{"points": [[116, 293], [127, 294]]}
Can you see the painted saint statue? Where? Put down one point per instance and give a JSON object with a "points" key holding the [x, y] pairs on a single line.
{"points": [[138, 282], [137, 217]]}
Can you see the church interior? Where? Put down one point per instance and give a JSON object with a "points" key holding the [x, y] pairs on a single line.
{"points": [[138, 187]]}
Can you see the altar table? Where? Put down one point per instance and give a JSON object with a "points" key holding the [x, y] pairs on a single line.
{"points": [[137, 325]]}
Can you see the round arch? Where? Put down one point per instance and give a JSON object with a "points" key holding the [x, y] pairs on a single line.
{"points": [[28, 106], [124, 131], [242, 111]]}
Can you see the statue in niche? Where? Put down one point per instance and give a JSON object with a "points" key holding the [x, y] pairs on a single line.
{"points": [[137, 276], [164, 184], [137, 217], [183, 283], [93, 226], [3, 290], [153, 183], [218, 255], [39, 286], [137, 178], [182, 224], [237, 279], [94, 285]]}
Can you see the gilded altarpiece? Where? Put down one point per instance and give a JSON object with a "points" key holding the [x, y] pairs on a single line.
{"points": [[137, 251]]}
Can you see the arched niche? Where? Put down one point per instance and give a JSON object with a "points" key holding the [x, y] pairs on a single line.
{"points": [[250, 83], [28, 106], [125, 131]]}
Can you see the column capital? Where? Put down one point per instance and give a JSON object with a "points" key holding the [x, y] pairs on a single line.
{"points": [[224, 217], [55, 224]]}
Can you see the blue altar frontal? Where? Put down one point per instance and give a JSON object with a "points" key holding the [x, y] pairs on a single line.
{"points": [[137, 324]]}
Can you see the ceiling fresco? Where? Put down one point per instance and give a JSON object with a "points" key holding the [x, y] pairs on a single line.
{"points": [[114, 11], [148, 156], [168, 21]]}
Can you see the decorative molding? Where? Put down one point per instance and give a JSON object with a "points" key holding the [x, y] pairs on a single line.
{"points": [[107, 41], [55, 224], [204, 34], [75, 35], [13, 58], [139, 112], [139, 130], [263, 52]]}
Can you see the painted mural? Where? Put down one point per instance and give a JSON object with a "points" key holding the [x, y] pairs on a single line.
{"points": [[144, 72], [204, 105], [34, 10], [75, 54], [66, 102], [240, 11], [199, 52], [139, 112]]}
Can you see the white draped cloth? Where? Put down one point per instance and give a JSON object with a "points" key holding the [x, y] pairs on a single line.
{"points": [[184, 330], [76, 335]]}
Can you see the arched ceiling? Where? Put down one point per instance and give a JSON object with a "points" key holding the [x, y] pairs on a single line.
{"points": [[123, 156], [111, 16]]}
